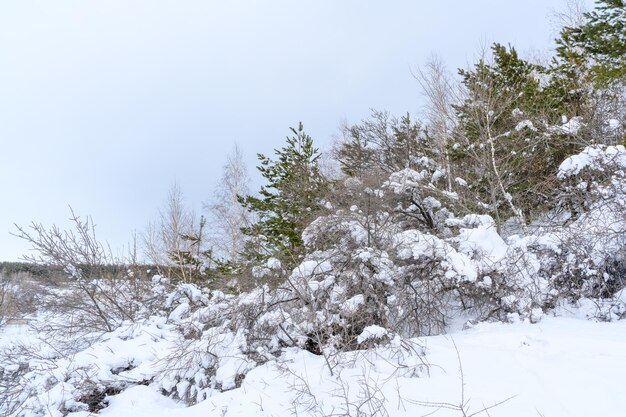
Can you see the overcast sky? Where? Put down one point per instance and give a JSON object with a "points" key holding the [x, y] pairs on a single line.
{"points": [[104, 104]]}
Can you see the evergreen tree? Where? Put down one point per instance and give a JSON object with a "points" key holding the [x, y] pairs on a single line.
{"points": [[600, 41], [590, 67], [289, 200], [508, 141]]}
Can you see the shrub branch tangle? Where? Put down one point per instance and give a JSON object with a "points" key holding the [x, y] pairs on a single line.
{"points": [[107, 290]]}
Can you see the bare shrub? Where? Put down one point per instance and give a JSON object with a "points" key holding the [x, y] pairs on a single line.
{"points": [[6, 296], [20, 296], [103, 290]]}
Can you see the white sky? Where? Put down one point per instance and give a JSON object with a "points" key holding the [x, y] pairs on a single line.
{"points": [[104, 104]]}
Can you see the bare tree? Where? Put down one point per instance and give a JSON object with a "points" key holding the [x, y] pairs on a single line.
{"points": [[174, 237], [380, 144], [5, 299], [440, 93], [226, 215], [572, 15]]}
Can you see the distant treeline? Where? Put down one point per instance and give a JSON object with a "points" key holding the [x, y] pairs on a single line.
{"points": [[36, 270]]}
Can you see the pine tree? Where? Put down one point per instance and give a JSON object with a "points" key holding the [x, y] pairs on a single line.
{"points": [[601, 40], [507, 145], [287, 202]]}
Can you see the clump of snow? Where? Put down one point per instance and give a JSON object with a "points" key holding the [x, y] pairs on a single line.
{"points": [[310, 268], [594, 157], [525, 124], [415, 244], [407, 178], [481, 241], [352, 305], [273, 263], [614, 124], [373, 332], [569, 127]]}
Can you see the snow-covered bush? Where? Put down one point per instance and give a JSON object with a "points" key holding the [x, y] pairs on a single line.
{"points": [[209, 353], [387, 263], [404, 261], [593, 241]]}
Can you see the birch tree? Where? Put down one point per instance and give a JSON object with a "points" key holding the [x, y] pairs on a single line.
{"points": [[226, 215]]}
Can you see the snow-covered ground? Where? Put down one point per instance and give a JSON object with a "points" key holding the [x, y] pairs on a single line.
{"points": [[559, 367], [14, 333]]}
